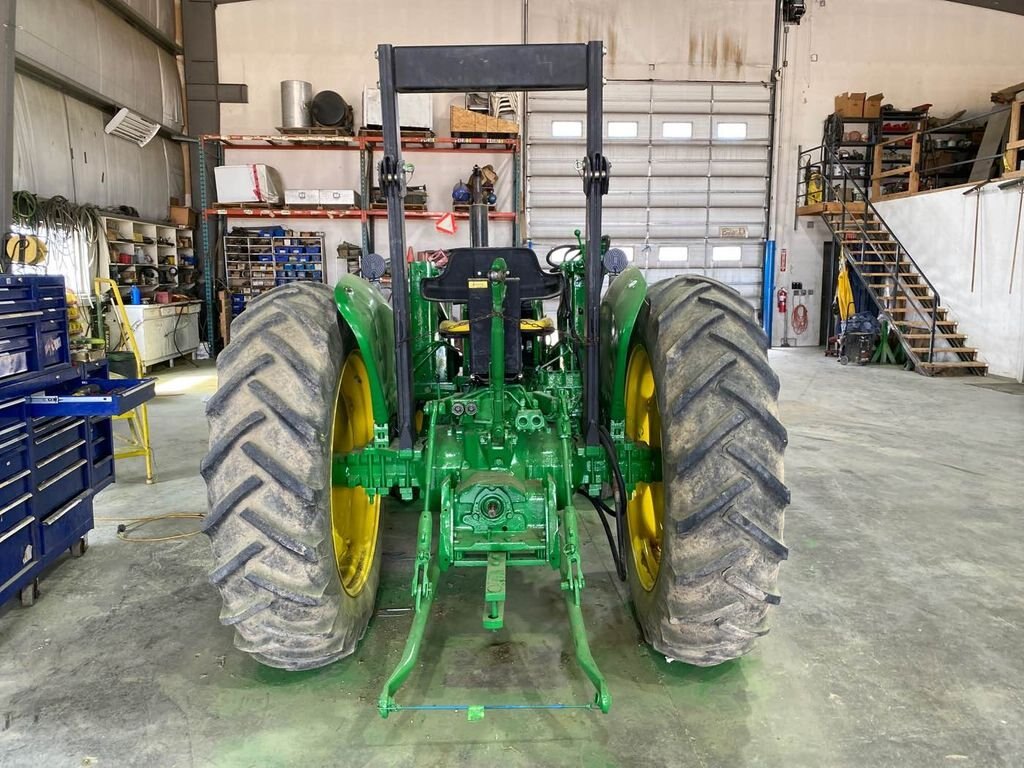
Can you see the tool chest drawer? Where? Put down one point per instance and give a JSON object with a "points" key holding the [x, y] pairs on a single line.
{"points": [[50, 436], [15, 509], [33, 326], [17, 551], [70, 521], [102, 437], [94, 397], [13, 451], [61, 487]]}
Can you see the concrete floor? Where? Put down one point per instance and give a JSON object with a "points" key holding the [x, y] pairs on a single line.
{"points": [[897, 643]]}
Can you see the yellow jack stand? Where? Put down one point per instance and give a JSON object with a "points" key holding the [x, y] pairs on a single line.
{"points": [[138, 419]]}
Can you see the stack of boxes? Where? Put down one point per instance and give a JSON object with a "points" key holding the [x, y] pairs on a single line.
{"points": [[859, 105]]}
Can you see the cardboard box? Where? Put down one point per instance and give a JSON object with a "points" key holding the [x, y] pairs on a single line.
{"points": [[873, 105], [850, 104], [415, 110], [302, 197], [183, 217], [256, 183], [347, 198]]}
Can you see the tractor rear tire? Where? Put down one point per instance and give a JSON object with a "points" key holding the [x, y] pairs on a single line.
{"points": [[722, 496], [268, 476]]}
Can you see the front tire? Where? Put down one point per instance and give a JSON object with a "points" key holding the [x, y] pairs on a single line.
{"points": [[705, 544], [296, 561]]}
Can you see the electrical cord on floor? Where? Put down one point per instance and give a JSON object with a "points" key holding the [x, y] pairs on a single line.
{"points": [[128, 524]]}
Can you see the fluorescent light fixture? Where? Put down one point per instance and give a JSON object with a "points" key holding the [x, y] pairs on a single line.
{"points": [[131, 127]]}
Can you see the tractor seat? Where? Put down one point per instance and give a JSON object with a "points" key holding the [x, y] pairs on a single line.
{"points": [[465, 264], [527, 327]]}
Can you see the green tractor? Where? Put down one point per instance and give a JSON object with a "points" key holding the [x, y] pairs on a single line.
{"points": [[655, 405]]}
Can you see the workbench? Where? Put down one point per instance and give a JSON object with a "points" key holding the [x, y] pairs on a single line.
{"points": [[56, 436]]}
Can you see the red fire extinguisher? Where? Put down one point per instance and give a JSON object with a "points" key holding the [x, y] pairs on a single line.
{"points": [[781, 300]]}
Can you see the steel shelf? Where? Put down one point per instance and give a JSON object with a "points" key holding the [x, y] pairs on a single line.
{"points": [[489, 144], [323, 213]]}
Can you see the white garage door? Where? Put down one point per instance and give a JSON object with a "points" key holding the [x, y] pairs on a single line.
{"points": [[689, 185]]}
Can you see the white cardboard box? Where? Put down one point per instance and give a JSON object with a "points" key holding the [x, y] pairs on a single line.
{"points": [[255, 183], [415, 110], [302, 197], [346, 197]]}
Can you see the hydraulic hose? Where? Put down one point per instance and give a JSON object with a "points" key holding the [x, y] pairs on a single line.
{"points": [[619, 547]]}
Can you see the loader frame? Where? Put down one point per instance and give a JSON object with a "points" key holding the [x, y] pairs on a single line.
{"points": [[499, 456]]}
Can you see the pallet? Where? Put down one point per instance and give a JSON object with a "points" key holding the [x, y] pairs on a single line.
{"points": [[319, 130], [407, 134], [464, 207], [408, 206]]}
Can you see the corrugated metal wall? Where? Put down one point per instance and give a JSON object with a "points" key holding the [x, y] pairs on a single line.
{"points": [[60, 145], [60, 148]]}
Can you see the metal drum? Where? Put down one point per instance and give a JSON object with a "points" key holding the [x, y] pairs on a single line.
{"points": [[296, 96]]}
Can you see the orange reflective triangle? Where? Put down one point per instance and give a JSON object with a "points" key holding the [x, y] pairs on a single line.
{"points": [[446, 224]]}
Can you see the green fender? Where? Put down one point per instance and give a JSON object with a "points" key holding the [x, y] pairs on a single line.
{"points": [[369, 317], [619, 310]]}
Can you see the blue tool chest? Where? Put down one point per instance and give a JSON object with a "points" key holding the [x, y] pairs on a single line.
{"points": [[56, 438]]}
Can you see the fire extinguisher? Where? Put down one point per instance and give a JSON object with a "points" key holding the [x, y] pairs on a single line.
{"points": [[781, 301]]}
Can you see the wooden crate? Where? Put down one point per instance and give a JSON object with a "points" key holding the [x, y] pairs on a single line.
{"points": [[469, 122]]}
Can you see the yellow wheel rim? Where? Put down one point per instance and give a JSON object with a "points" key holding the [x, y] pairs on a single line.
{"points": [[645, 510], [354, 517]]}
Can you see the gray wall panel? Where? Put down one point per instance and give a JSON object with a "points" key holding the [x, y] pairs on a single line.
{"points": [[85, 127], [42, 153], [90, 45]]}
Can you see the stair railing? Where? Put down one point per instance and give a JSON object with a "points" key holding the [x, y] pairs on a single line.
{"points": [[824, 162]]}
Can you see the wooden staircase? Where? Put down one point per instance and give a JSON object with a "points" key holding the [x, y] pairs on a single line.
{"points": [[924, 328], [904, 295]]}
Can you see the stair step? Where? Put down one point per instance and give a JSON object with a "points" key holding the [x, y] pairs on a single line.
{"points": [[960, 336], [952, 323], [956, 364], [939, 350], [904, 275], [941, 311]]}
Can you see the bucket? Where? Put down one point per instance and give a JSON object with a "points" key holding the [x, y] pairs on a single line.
{"points": [[295, 98]]}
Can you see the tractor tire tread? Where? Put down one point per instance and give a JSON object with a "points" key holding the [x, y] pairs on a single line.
{"points": [[724, 493], [268, 481]]}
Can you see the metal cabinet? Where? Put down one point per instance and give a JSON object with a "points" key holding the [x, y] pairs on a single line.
{"points": [[56, 439], [163, 331]]}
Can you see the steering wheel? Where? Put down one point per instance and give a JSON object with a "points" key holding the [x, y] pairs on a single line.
{"points": [[560, 254]]}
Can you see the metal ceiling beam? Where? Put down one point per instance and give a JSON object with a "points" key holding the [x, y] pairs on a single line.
{"points": [[7, 30], [59, 82], [1007, 6], [144, 25]]}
